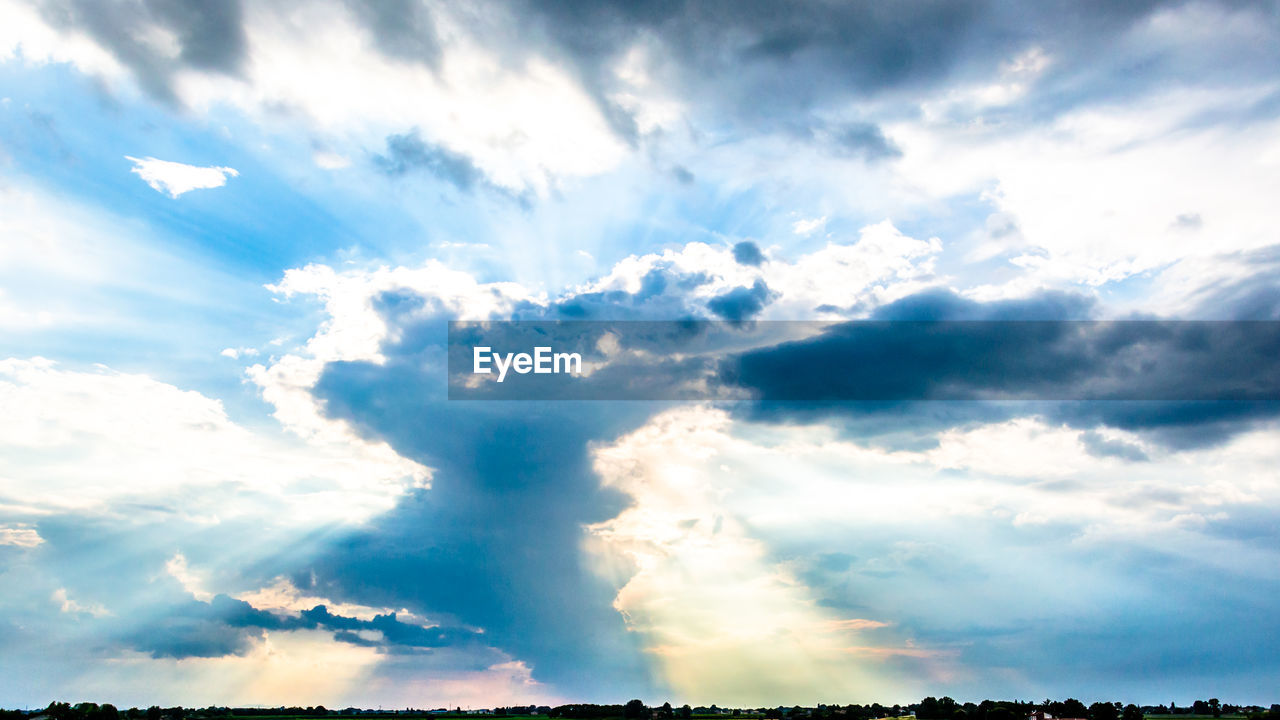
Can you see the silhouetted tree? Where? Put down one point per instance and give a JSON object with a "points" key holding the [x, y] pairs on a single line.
{"points": [[1132, 712], [635, 710], [1001, 712], [1073, 708], [1103, 711]]}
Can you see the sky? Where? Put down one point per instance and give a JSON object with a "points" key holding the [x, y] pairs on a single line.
{"points": [[233, 235]]}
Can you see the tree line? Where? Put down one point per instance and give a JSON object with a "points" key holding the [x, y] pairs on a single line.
{"points": [[929, 708]]}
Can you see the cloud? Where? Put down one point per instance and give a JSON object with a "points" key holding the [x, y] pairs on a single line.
{"points": [[747, 253], [357, 551], [862, 140], [157, 40], [176, 178], [741, 303], [808, 227], [67, 605], [1238, 285], [408, 152], [849, 276], [99, 441], [1197, 383], [402, 29], [221, 625], [1102, 446], [19, 535], [1153, 142], [376, 367], [739, 612], [1007, 501]]}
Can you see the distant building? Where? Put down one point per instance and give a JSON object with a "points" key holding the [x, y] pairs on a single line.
{"points": [[1042, 715]]}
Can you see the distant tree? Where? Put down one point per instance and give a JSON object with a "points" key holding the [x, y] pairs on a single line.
{"points": [[153, 713], [635, 710], [686, 712], [1103, 711], [1132, 712], [1215, 707], [665, 712], [1073, 708], [1001, 712]]}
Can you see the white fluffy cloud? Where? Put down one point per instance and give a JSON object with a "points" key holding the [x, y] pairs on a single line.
{"points": [[174, 178], [880, 265], [19, 535], [97, 440], [1105, 192]]}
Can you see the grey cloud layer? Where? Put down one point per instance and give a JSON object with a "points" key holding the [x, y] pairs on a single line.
{"points": [[751, 67]]}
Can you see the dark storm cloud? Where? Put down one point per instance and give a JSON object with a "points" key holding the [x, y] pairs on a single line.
{"points": [[944, 305], [1185, 384], [793, 53], [768, 66], [220, 627], [1024, 360], [497, 541], [225, 626], [211, 35]]}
